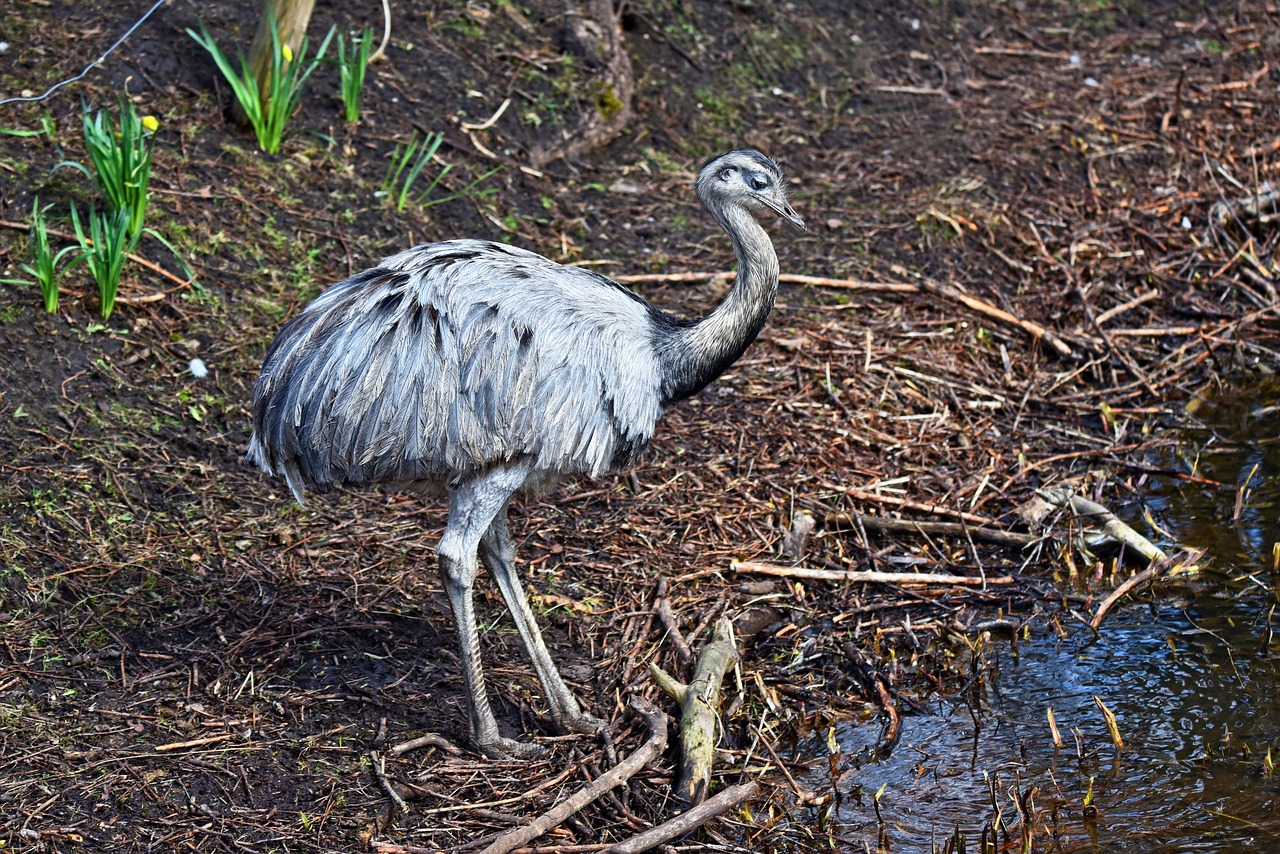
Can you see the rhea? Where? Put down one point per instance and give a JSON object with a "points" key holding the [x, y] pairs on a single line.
{"points": [[476, 370]]}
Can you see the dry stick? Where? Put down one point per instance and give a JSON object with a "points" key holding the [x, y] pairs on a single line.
{"points": [[890, 735], [662, 608], [866, 576], [197, 742], [700, 703], [686, 822], [393, 791], [1032, 328], [657, 722], [431, 739], [386, 33], [1146, 575], [1117, 310], [989, 535], [908, 504]]}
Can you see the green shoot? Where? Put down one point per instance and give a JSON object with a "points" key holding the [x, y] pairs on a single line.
{"points": [[285, 80], [406, 165], [409, 161], [44, 262], [351, 71], [105, 249], [468, 190], [121, 160]]}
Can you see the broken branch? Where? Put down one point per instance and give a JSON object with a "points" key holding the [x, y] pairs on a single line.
{"points": [[956, 529], [1112, 526], [700, 702], [687, 821]]}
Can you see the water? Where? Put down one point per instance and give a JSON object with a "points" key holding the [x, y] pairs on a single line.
{"points": [[1192, 678]]}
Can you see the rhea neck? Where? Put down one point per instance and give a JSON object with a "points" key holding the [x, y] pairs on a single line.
{"points": [[693, 354]]}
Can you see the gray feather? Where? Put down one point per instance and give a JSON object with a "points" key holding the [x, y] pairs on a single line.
{"points": [[441, 361]]}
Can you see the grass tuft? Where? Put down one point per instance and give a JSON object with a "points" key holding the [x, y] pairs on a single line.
{"points": [[44, 261], [105, 248], [121, 159], [351, 71]]}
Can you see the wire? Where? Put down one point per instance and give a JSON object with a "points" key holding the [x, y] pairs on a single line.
{"points": [[91, 65]]}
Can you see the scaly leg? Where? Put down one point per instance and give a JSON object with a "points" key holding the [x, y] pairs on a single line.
{"points": [[473, 506], [498, 550]]}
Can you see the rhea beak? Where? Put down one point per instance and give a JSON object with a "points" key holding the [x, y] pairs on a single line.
{"points": [[784, 210]]}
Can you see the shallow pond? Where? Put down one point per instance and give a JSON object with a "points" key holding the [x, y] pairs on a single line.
{"points": [[1193, 679]]}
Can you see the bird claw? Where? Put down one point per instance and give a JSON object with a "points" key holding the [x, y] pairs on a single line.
{"points": [[508, 748], [581, 722]]}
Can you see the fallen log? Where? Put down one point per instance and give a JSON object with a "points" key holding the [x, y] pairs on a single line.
{"points": [[699, 702], [656, 720]]}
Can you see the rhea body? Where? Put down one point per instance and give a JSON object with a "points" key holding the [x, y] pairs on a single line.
{"points": [[478, 370]]}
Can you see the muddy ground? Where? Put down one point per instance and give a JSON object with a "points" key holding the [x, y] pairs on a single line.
{"points": [[189, 661]]}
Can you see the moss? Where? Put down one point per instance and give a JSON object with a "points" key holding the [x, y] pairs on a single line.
{"points": [[608, 105]]}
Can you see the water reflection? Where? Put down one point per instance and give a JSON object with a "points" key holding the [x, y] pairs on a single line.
{"points": [[1192, 680]]}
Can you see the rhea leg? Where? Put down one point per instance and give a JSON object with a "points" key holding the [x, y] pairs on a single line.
{"points": [[498, 550], [473, 507]]}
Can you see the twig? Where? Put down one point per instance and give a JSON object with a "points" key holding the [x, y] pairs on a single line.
{"points": [[380, 771], [657, 722], [857, 577], [913, 90], [1032, 328], [662, 608], [431, 739], [687, 821], [989, 535], [489, 122], [1117, 310], [137, 259], [1146, 575], [908, 504], [386, 33], [197, 742]]}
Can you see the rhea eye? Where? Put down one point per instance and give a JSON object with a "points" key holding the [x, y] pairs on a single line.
{"points": [[728, 172], [759, 182]]}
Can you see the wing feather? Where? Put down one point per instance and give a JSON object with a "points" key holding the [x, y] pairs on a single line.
{"points": [[449, 358]]}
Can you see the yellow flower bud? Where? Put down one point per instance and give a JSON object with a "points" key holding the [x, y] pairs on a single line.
{"points": [[286, 52], [150, 123]]}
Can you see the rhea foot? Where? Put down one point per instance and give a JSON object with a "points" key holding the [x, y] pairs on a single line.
{"points": [[580, 722], [500, 747]]}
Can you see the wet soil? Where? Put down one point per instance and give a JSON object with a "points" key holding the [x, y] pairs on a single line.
{"points": [[190, 661]]}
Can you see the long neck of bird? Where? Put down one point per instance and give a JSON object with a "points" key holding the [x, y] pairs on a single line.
{"points": [[696, 353]]}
